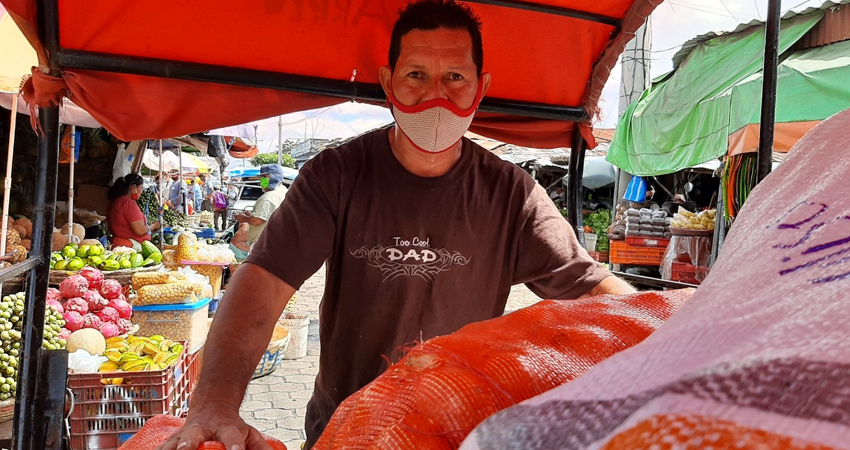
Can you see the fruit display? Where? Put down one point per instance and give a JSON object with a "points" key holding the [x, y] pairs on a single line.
{"points": [[149, 204], [174, 218], [686, 220], [17, 237], [11, 323], [136, 353], [88, 301], [74, 257]]}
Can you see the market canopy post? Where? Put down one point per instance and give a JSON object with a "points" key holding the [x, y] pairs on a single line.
{"points": [[195, 77]]}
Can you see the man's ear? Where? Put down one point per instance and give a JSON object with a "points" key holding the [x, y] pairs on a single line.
{"points": [[485, 80], [385, 74]]}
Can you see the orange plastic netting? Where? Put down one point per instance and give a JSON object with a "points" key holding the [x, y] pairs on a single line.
{"points": [[159, 428], [444, 387]]}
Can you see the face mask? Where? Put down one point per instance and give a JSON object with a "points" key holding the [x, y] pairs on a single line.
{"points": [[436, 125], [264, 182], [135, 196]]}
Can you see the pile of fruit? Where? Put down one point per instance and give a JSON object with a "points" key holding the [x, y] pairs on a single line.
{"points": [[74, 257], [87, 300], [17, 244], [136, 353], [11, 323]]}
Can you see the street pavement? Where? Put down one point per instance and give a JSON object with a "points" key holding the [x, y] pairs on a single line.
{"points": [[276, 403]]}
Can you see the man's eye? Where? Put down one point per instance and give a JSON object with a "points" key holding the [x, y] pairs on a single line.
{"points": [[414, 75], [455, 77]]}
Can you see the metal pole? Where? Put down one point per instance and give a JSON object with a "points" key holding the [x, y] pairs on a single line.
{"points": [[7, 182], [574, 183], [161, 196], [71, 184], [185, 207], [279, 140], [768, 94], [31, 405]]}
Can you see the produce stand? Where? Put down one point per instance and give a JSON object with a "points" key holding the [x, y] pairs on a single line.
{"points": [[123, 276]]}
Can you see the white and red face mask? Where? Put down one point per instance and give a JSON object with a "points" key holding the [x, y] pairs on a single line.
{"points": [[433, 126]]}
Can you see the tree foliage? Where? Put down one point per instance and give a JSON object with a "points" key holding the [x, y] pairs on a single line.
{"points": [[271, 158]]}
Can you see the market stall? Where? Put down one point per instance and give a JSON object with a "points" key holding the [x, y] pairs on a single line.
{"points": [[552, 113]]}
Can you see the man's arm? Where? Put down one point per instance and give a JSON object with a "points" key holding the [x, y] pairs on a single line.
{"points": [[249, 218], [233, 349], [610, 285]]}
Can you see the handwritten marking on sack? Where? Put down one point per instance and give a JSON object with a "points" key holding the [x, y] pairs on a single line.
{"points": [[820, 242]]}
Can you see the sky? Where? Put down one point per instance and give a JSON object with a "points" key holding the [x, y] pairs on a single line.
{"points": [[673, 23]]}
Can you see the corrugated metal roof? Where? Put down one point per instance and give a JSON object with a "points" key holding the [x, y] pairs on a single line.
{"points": [[689, 46]]}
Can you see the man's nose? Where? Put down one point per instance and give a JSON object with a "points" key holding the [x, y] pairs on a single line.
{"points": [[435, 89]]}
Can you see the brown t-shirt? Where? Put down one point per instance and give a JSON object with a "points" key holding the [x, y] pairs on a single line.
{"points": [[410, 258]]}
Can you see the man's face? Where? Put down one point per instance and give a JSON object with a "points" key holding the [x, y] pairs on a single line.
{"points": [[174, 176], [435, 64]]}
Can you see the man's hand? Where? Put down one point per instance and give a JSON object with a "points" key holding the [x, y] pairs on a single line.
{"points": [[244, 216], [216, 425]]}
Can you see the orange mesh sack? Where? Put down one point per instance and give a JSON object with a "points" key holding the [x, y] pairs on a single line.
{"points": [[444, 387], [159, 428]]}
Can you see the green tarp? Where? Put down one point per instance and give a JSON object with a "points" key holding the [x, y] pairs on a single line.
{"points": [[686, 119], [813, 84]]}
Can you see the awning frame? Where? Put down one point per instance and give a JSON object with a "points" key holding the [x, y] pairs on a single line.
{"points": [[38, 411], [61, 57]]}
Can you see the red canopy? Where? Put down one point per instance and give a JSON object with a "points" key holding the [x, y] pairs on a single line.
{"points": [[548, 59]]}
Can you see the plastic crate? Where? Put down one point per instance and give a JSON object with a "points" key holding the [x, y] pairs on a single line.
{"points": [[687, 273], [640, 241], [206, 233], [184, 322], [623, 253], [106, 416]]}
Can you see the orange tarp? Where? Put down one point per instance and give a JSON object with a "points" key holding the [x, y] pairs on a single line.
{"points": [[533, 56], [785, 136]]}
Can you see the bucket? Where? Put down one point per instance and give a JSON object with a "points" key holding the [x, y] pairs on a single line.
{"points": [[298, 325], [590, 242]]}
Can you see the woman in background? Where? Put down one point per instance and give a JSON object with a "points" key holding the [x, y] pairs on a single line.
{"points": [[125, 218]]}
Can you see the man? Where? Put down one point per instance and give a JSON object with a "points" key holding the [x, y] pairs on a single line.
{"points": [[422, 233], [557, 196], [219, 205], [175, 192], [206, 192], [275, 191]]}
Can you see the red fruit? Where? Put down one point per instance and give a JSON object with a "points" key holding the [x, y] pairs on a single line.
{"points": [[73, 320], [109, 329], [91, 321], [95, 301], [77, 304], [124, 326], [94, 276], [110, 289], [108, 314], [54, 294], [74, 286], [125, 311], [55, 305], [65, 333]]}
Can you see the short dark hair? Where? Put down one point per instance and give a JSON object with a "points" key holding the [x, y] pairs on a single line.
{"points": [[432, 14]]}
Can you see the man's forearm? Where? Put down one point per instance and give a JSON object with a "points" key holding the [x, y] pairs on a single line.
{"points": [[239, 335], [611, 285]]}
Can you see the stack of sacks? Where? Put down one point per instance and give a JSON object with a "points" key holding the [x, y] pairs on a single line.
{"points": [[647, 222], [759, 358]]}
